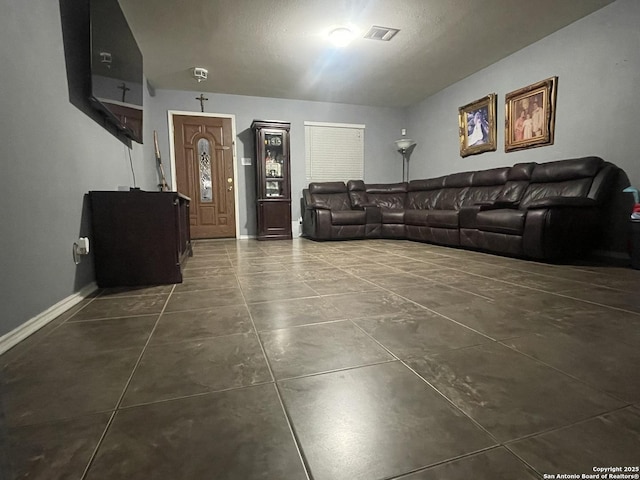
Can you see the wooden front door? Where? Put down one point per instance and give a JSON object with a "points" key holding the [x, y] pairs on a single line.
{"points": [[204, 172]]}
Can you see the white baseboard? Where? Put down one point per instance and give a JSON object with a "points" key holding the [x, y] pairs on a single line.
{"points": [[296, 228], [15, 336]]}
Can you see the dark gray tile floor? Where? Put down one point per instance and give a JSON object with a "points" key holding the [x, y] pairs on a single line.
{"points": [[327, 361]]}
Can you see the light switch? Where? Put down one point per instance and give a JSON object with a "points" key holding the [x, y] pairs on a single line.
{"points": [[246, 160]]}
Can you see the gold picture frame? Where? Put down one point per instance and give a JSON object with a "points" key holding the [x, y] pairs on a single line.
{"points": [[530, 117], [477, 126]]}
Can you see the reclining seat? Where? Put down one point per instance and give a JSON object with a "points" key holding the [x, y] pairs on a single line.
{"points": [[556, 214], [327, 213], [389, 199], [433, 208], [496, 189], [564, 204], [444, 219], [422, 197]]}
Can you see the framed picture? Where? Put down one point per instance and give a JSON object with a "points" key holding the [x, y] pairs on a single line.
{"points": [[477, 122], [531, 115]]}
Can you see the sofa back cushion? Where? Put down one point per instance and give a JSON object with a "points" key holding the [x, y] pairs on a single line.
{"points": [[564, 178], [454, 191], [485, 186], [518, 179], [330, 195], [391, 196], [424, 194], [563, 170], [357, 193]]}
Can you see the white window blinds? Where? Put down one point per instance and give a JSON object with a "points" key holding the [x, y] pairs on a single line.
{"points": [[334, 152]]}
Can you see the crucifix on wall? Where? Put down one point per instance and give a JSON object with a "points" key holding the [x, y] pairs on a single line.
{"points": [[202, 99], [124, 89]]}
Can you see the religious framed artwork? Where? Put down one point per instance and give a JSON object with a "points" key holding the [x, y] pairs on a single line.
{"points": [[477, 126], [530, 117]]}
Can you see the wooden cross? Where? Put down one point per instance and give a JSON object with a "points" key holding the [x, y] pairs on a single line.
{"points": [[202, 100], [124, 89]]}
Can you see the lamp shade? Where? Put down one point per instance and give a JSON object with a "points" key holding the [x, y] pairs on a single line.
{"points": [[404, 143]]}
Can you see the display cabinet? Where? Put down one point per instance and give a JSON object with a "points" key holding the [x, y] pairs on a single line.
{"points": [[273, 179]]}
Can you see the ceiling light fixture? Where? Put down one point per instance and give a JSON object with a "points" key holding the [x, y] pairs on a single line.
{"points": [[341, 36]]}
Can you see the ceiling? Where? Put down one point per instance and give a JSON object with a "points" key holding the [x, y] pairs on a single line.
{"points": [[278, 48]]}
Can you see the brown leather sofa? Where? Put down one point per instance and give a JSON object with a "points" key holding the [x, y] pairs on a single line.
{"points": [[544, 211]]}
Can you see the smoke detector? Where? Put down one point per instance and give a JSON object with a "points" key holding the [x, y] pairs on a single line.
{"points": [[200, 73]]}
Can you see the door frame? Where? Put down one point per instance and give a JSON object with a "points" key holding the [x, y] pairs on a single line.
{"points": [[172, 153]]}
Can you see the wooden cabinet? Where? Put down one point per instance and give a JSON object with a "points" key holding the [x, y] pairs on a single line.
{"points": [[273, 179], [139, 238]]}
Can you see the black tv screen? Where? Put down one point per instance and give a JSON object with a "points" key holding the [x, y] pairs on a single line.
{"points": [[116, 68]]}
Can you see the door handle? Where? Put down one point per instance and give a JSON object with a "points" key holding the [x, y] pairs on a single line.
{"points": [[230, 182]]}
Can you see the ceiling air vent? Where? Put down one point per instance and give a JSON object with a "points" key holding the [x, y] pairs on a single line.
{"points": [[381, 33]]}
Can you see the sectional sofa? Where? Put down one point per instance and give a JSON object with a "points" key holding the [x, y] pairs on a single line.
{"points": [[535, 210]]}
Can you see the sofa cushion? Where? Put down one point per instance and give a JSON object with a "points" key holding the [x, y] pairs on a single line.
{"points": [[458, 180], [467, 216], [393, 201], [521, 172], [512, 191], [423, 200], [570, 188], [563, 170], [331, 201], [416, 217], [329, 195], [479, 194], [348, 217], [509, 221], [443, 218], [400, 187], [392, 216], [450, 198], [426, 184], [491, 177], [327, 187]]}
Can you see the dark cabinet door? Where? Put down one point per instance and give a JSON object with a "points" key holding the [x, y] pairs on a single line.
{"points": [[273, 179], [139, 238], [275, 219]]}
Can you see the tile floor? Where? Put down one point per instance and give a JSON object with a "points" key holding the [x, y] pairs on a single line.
{"points": [[327, 361]]}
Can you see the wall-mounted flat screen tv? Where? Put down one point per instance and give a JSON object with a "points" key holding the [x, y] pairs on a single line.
{"points": [[116, 68]]}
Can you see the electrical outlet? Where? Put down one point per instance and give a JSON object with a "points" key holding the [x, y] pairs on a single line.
{"points": [[83, 246]]}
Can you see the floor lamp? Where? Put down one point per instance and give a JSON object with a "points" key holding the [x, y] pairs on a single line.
{"points": [[405, 146]]}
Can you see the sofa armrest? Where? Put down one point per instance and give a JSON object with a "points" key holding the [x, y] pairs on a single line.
{"points": [[364, 205], [497, 204], [550, 202], [317, 206]]}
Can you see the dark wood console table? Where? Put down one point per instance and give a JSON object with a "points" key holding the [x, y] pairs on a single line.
{"points": [[139, 238]]}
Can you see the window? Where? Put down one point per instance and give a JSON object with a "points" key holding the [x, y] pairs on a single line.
{"points": [[334, 151]]}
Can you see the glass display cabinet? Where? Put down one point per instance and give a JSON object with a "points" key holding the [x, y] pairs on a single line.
{"points": [[273, 179]]}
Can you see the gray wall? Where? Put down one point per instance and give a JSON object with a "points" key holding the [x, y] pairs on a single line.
{"points": [[383, 163], [52, 154], [598, 65]]}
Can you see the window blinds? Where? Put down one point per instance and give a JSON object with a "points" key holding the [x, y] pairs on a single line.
{"points": [[334, 152]]}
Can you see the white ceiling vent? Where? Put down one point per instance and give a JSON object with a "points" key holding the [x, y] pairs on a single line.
{"points": [[381, 33]]}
